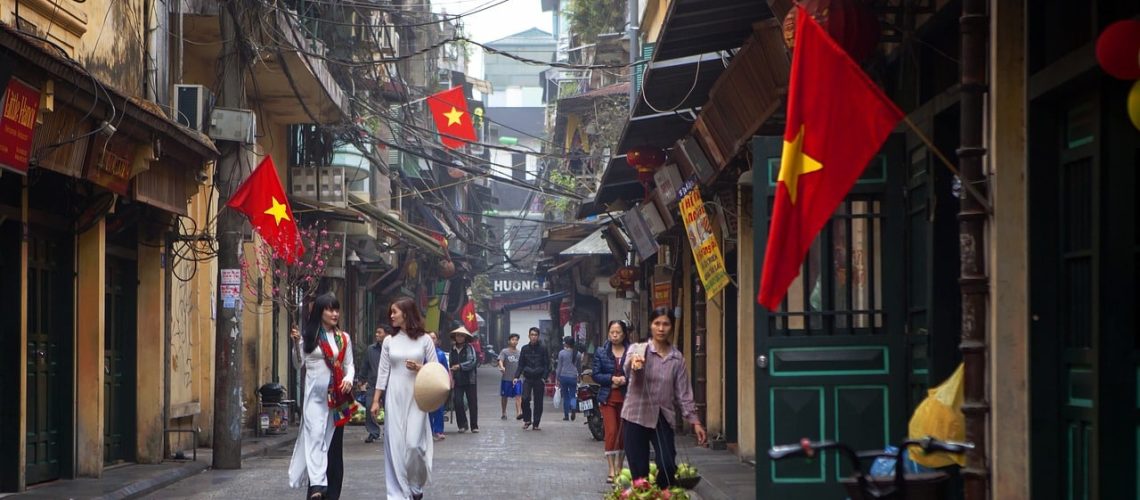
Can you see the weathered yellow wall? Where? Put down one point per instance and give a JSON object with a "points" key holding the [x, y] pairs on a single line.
{"points": [[21, 477], [1009, 254], [653, 20], [89, 351], [745, 339], [150, 353]]}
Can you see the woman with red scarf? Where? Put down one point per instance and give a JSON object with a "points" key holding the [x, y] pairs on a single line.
{"points": [[324, 352]]}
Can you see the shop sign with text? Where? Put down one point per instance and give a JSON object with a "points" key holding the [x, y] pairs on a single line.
{"points": [[21, 103], [706, 251]]}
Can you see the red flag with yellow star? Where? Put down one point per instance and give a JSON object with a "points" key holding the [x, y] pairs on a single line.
{"points": [[449, 109], [837, 120], [263, 200], [470, 320]]}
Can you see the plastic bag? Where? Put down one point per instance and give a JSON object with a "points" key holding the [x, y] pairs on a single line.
{"points": [[885, 466], [558, 399], [940, 416]]}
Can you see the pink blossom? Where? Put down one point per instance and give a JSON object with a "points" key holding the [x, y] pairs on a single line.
{"points": [[324, 232], [336, 244]]}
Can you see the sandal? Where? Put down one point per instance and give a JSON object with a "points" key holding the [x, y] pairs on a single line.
{"points": [[610, 479]]}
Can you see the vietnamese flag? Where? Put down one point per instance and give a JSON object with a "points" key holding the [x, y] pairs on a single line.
{"points": [[263, 200], [470, 319], [837, 120], [449, 110]]}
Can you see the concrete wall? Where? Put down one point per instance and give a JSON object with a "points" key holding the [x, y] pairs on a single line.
{"points": [[150, 353], [1009, 254], [89, 360], [746, 339]]}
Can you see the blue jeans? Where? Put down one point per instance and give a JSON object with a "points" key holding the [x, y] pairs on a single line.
{"points": [[436, 419], [569, 394]]}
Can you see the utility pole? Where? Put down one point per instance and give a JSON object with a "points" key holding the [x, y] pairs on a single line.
{"points": [[631, 31], [227, 333]]}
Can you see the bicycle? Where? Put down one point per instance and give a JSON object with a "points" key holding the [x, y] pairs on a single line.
{"points": [[860, 486]]}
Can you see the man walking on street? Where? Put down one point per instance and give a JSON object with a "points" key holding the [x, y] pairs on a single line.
{"points": [[464, 362], [367, 374], [534, 366], [509, 366]]}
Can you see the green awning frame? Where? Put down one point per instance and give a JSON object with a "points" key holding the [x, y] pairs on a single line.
{"points": [[415, 236]]}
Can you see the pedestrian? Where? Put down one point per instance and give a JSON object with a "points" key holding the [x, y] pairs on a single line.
{"points": [[534, 367], [366, 375], [407, 440], [609, 372], [464, 361], [509, 388], [324, 352], [658, 385], [567, 373], [436, 417]]}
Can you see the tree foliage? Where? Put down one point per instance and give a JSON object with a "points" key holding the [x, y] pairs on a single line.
{"points": [[593, 17]]}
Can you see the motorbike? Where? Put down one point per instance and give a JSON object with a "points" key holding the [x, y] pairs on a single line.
{"points": [[490, 356], [588, 407]]}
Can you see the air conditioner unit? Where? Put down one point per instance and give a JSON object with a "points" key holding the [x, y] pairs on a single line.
{"points": [[230, 124], [192, 105]]}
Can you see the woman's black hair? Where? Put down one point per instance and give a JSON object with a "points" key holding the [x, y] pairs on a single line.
{"points": [[662, 311], [624, 330], [313, 324]]}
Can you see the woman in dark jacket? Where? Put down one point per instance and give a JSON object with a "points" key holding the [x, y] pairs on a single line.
{"points": [[608, 372]]}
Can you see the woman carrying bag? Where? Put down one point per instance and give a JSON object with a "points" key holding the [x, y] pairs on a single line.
{"points": [[407, 432]]}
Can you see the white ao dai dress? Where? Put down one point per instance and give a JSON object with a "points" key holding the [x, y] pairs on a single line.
{"points": [[407, 433]]}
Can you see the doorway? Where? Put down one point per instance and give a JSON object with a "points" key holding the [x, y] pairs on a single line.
{"points": [[119, 340]]}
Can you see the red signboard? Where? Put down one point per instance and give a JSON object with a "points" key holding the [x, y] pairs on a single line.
{"points": [[662, 294], [21, 103], [109, 164]]}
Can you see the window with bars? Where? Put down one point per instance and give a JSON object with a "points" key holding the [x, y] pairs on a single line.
{"points": [[838, 289]]}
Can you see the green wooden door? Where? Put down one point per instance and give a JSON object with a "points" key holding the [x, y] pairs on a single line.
{"points": [[50, 296], [830, 362], [119, 369]]}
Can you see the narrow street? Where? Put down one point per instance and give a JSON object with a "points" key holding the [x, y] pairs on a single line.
{"points": [[502, 461]]}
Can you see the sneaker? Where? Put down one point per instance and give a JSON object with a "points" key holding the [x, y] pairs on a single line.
{"points": [[526, 425], [536, 428], [504, 417], [518, 417], [565, 419], [370, 438], [462, 430], [474, 431]]}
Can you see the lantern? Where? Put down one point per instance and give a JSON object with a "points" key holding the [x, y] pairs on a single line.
{"points": [[1117, 49], [851, 23], [646, 160], [447, 269], [615, 282]]}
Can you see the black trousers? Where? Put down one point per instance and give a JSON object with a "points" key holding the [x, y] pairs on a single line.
{"points": [[335, 471], [638, 439], [461, 409], [533, 390]]}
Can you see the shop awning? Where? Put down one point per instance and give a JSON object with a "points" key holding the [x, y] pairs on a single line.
{"points": [[538, 300], [402, 230], [594, 244], [305, 207]]}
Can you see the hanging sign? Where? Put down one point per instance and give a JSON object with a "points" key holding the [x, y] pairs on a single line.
{"points": [[662, 294], [21, 103], [706, 251]]}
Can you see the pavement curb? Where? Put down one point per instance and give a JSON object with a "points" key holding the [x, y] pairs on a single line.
{"points": [[163, 479], [708, 491], [156, 482]]}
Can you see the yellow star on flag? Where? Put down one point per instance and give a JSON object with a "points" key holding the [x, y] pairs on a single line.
{"points": [[470, 317], [278, 211], [794, 163], [453, 116]]}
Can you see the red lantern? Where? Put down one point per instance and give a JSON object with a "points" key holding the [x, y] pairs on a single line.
{"points": [[851, 23], [447, 269], [1117, 48], [646, 160]]}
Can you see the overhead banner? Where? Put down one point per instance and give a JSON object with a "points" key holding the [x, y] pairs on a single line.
{"points": [[706, 251]]}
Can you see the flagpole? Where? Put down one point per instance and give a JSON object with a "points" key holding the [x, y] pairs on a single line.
{"points": [[946, 161]]}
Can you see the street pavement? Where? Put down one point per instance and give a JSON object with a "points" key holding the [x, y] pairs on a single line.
{"points": [[503, 461]]}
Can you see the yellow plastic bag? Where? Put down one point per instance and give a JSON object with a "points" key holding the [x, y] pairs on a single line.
{"points": [[940, 416]]}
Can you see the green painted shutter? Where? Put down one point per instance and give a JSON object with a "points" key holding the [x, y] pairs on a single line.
{"points": [[642, 63]]}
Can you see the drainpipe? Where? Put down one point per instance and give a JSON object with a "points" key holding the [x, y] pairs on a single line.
{"points": [[634, 47], [972, 219]]}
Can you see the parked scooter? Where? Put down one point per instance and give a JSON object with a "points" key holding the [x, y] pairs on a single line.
{"points": [[588, 406], [490, 355]]}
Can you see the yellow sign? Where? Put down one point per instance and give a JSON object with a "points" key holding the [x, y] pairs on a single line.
{"points": [[706, 251]]}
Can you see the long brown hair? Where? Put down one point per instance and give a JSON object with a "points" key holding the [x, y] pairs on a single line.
{"points": [[413, 320]]}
